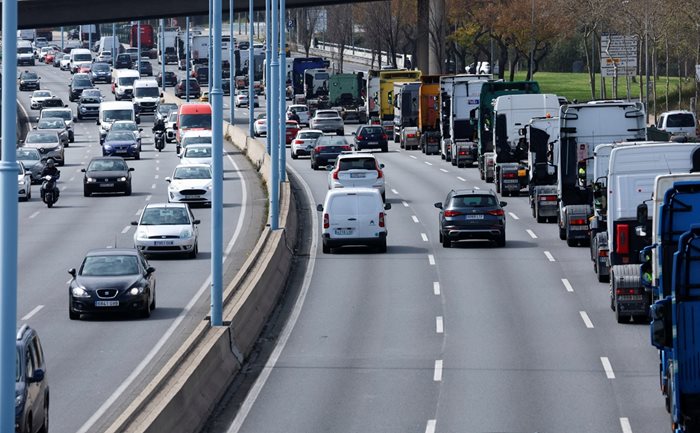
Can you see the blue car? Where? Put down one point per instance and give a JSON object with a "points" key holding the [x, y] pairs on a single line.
{"points": [[121, 143]]}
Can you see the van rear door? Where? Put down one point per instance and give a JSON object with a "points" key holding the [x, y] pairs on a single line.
{"points": [[343, 216], [369, 207]]}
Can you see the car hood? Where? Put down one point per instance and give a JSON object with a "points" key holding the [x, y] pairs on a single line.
{"points": [[60, 131], [195, 161], [190, 183], [29, 163], [119, 282], [106, 174], [119, 142], [164, 230]]}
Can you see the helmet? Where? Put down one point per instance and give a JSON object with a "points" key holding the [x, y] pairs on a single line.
{"points": [[49, 163]]}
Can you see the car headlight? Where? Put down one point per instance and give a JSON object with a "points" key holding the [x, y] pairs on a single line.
{"points": [[122, 179], [80, 292], [142, 234], [90, 179], [19, 399], [186, 234], [107, 147], [82, 108], [136, 290]]}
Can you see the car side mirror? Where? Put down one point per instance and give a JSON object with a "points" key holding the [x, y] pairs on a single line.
{"points": [[83, 170], [138, 119], [35, 127], [131, 168], [167, 179], [65, 105], [195, 222], [354, 133], [140, 129], [387, 206], [642, 214], [150, 270], [319, 207], [381, 165], [97, 122], [438, 205], [503, 204], [134, 223], [175, 126], [38, 375], [72, 272], [329, 168]]}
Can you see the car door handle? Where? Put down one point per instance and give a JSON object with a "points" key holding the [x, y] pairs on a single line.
{"points": [[352, 219]]}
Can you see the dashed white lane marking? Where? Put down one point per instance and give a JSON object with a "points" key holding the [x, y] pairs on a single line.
{"points": [[148, 198], [63, 188], [428, 163], [424, 237], [34, 215], [431, 259], [69, 280], [414, 218], [586, 319], [625, 424], [443, 170], [462, 179], [607, 367], [531, 233], [439, 325], [567, 285], [394, 191], [404, 203], [110, 246], [476, 187], [157, 168], [126, 229], [71, 179], [153, 186], [549, 256], [33, 312], [430, 427], [514, 216], [411, 156], [157, 176], [436, 288], [437, 374]]}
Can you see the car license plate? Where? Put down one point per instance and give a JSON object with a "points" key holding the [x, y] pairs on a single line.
{"points": [[106, 303], [343, 232], [578, 227], [474, 217], [373, 143], [163, 243], [107, 185], [510, 180], [357, 175]]}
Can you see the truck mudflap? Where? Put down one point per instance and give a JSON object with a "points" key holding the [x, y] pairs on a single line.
{"points": [[430, 142], [576, 225], [544, 204], [446, 149], [510, 178], [628, 299], [601, 264]]}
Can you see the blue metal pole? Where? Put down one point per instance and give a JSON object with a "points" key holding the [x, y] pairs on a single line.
{"points": [[62, 40], [251, 72], [187, 59], [90, 27], [162, 53], [268, 59], [217, 205], [8, 218], [283, 89], [138, 45], [211, 35], [231, 67], [272, 129], [115, 49]]}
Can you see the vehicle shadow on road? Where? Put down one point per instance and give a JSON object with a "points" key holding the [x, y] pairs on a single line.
{"points": [[469, 244], [160, 313]]}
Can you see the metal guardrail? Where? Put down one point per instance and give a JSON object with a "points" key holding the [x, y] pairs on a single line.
{"points": [[361, 53]]}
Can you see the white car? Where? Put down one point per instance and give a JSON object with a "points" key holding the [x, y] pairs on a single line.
{"points": [[190, 184], [328, 121], [64, 63], [104, 56], [170, 127], [24, 183], [196, 154], [38, 98], [43, 51], [302, 111], [201, 136], [64, 113], [304, 141], [166, 228], [242, 99], [358, 170], [260, 125]]}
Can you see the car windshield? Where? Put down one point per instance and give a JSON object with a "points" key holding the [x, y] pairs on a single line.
{"points": [[28, 76], [480, 200], [165, 108], [109, 266], [42, 137], [82, 57], [23, 50], [89, 100], [299, 109], [195, 121], [198, 152], [308, 135], [51, 123], [371, 130], [357, 164], [127, 81], [82, 82], [41, 94], [195, 139], [324, 114], [327, 140], [107, 165], [154, 216], [192, 173], [151, 92], [120, 136], [93, 93], [114, 115], [124, 126], [66, 57], [100, 67], [27, 154], [61, 114]]}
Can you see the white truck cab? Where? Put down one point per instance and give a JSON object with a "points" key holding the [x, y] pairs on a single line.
{"points": [[146, 95]]}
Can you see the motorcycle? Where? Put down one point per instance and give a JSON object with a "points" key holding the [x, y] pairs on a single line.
{"points": [[49, 192], [159, 139]]}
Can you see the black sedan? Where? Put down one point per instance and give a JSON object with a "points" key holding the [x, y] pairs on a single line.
{"points": [[471, 214], [145, 68], [170, 79], [371, 137], [107, 174], [121, 143], [327, 148], [112, 280]]}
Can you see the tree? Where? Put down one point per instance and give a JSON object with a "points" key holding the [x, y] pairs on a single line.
{"points": [[307, 21], [339, 28]]}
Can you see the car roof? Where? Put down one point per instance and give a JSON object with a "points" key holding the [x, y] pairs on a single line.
{"points": [[311, 130], [198, 133], [473, 192], [356, 155], [112, 252], [101, 158], [166, 205], [352, 190], [193, 165]]}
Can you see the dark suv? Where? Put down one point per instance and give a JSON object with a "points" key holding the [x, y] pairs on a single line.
{"points": [[123, 61], [471, 214], [181, 89], [29, 81], [371, 137], [31, 384], [78, 83]]}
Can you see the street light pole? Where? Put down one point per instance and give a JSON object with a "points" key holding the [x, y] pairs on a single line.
{"points": [[646, 61], [217, 205], [532, 39], [282, 86], [231, 66], [187, 59]]}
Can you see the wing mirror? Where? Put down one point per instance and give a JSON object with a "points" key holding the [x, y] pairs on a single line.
{"points": [[438, 205], [131, 168], [503, 204], [642, 214], [195, 222], [82, 170], [134, 223], [387, 206], [319, 207], [167, 179], [150, 270], [72, 272]]}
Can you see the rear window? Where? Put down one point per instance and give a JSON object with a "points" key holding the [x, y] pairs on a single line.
{"points": [[680, 120], [372, 130], [357, 164], [308, 135], [473, 201]]}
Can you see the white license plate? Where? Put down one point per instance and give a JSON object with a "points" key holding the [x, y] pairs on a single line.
{"points": [[578, 228], [106, 303], [163, 243], [510, 181], [107, 185], [373, 143], [474, 217], [343, 232], [357, 175]]}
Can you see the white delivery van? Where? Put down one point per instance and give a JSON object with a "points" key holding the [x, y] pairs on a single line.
{"points": [[110, 44], [112, 111], [353, 216], [146, 95], [79, 57], [124, 83], [678, 122]]}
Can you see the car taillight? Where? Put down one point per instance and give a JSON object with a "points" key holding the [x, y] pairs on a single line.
{"points": [[490, 162], [548, 198], [319, 149], [298, 141], [452, 213], [346, 148], [462, 152], [602, 253], [630, 291], [410, 135], [385, 137], [496, 212], [509, 175], [335, 174], [380, 174], [326, 221], [622, 239], [381, 219], [578, 222], [359, 137]]}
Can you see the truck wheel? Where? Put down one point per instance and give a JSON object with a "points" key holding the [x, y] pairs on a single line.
{"points": [[498, 186], [571, 242], [453, 162], [481, 174], [619, 316], [541, 219]]}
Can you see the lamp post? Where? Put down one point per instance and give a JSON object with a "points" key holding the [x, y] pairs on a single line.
{"points": [[187, 59], [272, 123], [231, 67], [251, 71], [282, 86], [217, 205]]}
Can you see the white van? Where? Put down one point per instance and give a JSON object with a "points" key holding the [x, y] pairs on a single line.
{"points": [[353, 216], [112, 111], [110, 44], [79, 57], [146, 95], [124, 83], [678, 122]]}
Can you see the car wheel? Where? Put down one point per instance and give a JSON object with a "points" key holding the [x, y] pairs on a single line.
{"points": [[72, 315], [446, 242], [384, 197], [294, 155], [382, 246], [128, 189], [72, 139], [314, 166], [146, 312], [326, 248], [138, 156], [193, 253], [153, 302], [45, 426], [340, 132], [454, 162], [501, 241], [86, 193], [385, 149]]}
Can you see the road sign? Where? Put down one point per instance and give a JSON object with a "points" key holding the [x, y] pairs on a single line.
{"points": [[618, 55]]}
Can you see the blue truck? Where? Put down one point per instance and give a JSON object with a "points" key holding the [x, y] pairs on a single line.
{"points": [[299, 66]]}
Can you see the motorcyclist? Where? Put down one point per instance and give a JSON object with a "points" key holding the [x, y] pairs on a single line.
{"points": [[294, 116], [159, 129], [51, 170]]}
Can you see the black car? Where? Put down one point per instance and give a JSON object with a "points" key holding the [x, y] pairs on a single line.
{"points": [[29, 81], [78, 83], [201, 73], [53, 102], [371, 137], [101, 72], [31, 383], [471, 214], [107, 174], [226, 86], [88, 107], [170, 55], [170, 79], [123, 61], [112, 280], [195, 90], [327, 148], [145, 68]]}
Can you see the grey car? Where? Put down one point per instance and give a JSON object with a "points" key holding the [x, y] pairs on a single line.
{"points": [[48, 143], [54, 124], [471, 214], [31, 159], [327, 121], [63, 113]]}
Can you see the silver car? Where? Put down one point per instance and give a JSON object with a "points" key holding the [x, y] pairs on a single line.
{"points": [[328, 121], [48, 143], [31, 159], [166, 228], [65, 114], [24, 183], [54, 124]]}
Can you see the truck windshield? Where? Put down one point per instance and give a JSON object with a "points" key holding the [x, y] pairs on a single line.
{"points": [[146, 92], [24, 50], [195, 121], [82, 58], [127, 81], [112, 115]]}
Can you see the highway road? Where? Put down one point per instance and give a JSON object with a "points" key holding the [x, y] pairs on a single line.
{"points": [[95, 366]]}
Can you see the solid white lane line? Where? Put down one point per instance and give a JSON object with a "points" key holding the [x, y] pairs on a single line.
{"points": [[424, 237], [34, 214], [531, 233], [436, 288], [404, 203], [607, 367], [428, 163], [394, 191], [33, 312], [443, 170], [439, 325], [431, 259], [549, 255], [153, 186], [625, 424], [430, 427], [567, 285], [414, 218], [126, 229], [462, 179], [586, 319], [437, 374], [514, 216], [411, 156]]}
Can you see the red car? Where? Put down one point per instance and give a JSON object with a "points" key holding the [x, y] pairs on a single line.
{"points": [[292, 129], [85, 69], [48, 58]]}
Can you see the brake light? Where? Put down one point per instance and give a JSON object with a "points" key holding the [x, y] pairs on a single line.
{"points": [[548, 198], [578, 222], [381, 219], [326, 221], [359, 137], [602, 253], [622, 239], [490, 162], [298, 142], [346, 148], [335, 174], [509, 175], [631, 291], [462, 152], [384, 136], [379, 173], [496, 212], [410, 135], [452, 213], [319, 149]]}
